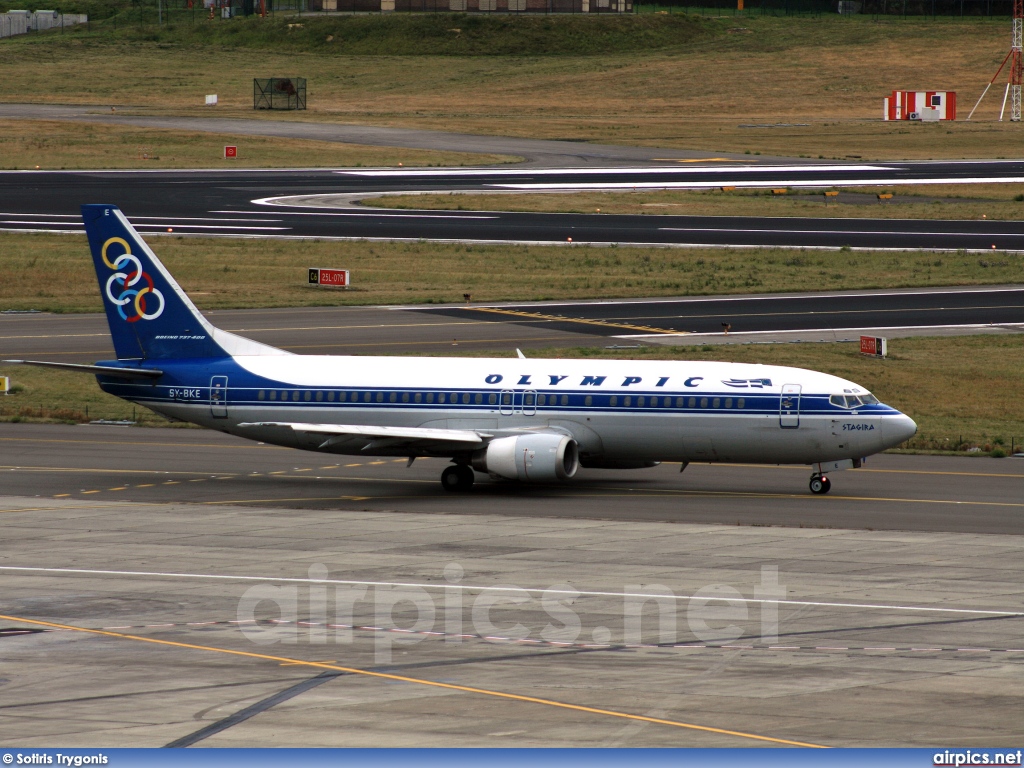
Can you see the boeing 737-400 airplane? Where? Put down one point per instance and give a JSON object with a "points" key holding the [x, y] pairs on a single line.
{"points": [[514, 418]]}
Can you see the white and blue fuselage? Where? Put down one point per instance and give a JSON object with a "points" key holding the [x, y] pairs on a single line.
{"points": [[624, 412]]}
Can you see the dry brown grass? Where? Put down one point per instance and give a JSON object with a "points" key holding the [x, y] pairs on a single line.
{"points": [[975, 201], [52, 144], [222, 273], [829, 72]]}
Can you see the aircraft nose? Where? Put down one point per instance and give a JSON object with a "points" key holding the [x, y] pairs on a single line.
{"points": [[899, 429]]}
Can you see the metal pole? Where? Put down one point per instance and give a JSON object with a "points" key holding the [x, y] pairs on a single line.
{"points": [[979, 100], [1017, 64]]}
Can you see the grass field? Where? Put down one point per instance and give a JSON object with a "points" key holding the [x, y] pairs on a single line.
{"points": [[918, 378], [224, 273], [775, 86], [51, 144], [974, 201]]}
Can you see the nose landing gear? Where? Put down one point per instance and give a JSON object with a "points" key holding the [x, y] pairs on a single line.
{"points": [[458, 477], [820, 484]]}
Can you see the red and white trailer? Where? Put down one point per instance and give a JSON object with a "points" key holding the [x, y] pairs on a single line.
{"points": [[920, 105]]}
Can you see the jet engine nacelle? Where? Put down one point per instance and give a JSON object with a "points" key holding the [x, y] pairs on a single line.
{"points": [[537, 458]]}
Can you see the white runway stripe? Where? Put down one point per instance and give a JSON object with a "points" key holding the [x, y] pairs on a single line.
{"points": [[814, 183], [529, 590], [669, 170]]}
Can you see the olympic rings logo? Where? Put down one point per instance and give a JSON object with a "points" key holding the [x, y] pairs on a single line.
{"points": [[135, 287]]}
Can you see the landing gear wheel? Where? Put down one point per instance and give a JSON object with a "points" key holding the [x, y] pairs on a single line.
{"points": [[820, 484], [457, 477]]}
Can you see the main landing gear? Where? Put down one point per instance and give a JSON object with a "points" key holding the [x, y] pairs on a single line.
{"points": [[457, 477], [820, 484]]}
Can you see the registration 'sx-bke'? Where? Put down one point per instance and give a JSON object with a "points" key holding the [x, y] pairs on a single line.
{"points": [[515, 418]]}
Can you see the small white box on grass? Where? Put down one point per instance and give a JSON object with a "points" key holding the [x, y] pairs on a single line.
{"points": [[211, 100]]}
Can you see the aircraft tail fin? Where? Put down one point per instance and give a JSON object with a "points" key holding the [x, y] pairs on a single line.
{"points": [[150, 316]]}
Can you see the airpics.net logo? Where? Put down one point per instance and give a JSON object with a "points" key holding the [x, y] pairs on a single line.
{"points": [[132, 292], [393, 614]]}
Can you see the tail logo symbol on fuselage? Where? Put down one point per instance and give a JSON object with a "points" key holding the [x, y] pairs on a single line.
{"points": [[135, 291]]}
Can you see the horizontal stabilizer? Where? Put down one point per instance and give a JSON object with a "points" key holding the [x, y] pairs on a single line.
{"points": [[104, 370], [400, 433]]}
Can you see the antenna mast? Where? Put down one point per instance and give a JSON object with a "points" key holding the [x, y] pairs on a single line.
{"points": [[1016, 63], [1016, 72]]}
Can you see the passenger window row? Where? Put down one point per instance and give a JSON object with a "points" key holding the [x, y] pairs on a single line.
{"points": [[527, 399]]}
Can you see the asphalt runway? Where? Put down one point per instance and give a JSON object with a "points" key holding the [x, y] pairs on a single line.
{"points": [[764, 314], [146, 466], [504, 327], [181, 587], [316, 204]]}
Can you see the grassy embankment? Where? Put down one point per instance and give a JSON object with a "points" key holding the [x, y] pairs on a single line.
{"points": [[809, 86], [938, 201], [924, 377], [224, 273]]}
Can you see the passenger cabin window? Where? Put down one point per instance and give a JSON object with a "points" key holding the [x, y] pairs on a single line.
{"points": [[565, 399], [342, 396], [613, 400], [740, 403], [492, 399], [627, 401], [330, 396], [692, 403], [440, 397], [588, 400], [261, 395]]}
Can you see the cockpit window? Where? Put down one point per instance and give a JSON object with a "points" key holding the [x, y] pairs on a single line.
{"points": [[852, 401]]}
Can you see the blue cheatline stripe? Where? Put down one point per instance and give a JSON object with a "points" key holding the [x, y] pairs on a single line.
{"points": [[575, 401]]}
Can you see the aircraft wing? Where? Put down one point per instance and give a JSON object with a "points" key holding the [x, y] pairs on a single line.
{"points": [[377, 437]]}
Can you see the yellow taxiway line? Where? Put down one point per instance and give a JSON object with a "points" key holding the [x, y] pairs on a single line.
{"points": [[418, 681]]}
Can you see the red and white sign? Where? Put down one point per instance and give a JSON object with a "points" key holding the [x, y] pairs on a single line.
{"points": [[230, 151], [920, 105], [330, 278], [874, 346]]}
